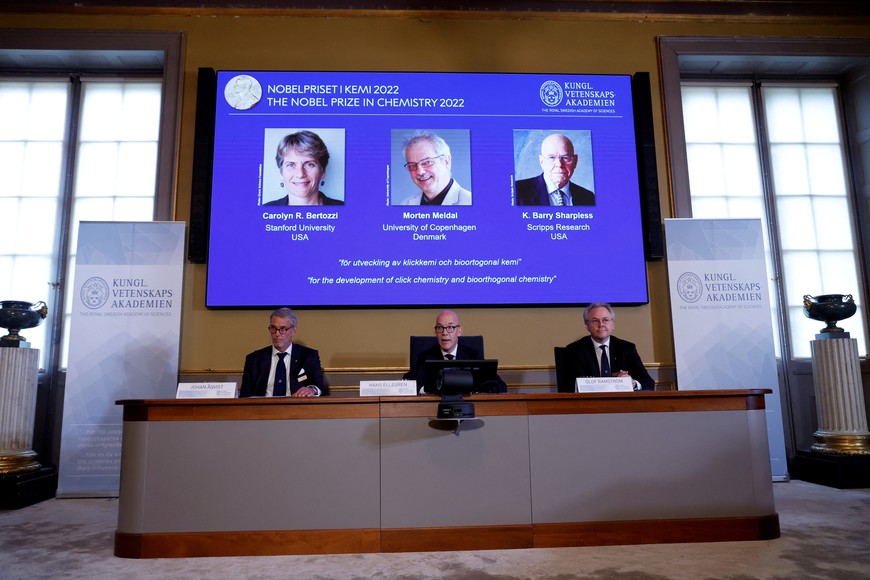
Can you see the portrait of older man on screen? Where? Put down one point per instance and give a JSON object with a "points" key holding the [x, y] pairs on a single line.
{"points": [[558, 162]]}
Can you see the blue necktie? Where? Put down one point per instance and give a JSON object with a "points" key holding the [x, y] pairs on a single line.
{"points": [[280, 388], [605, 364]]}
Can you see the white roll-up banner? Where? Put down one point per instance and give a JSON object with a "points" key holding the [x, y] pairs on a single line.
{"points": [[123, 344], [720, 307]]}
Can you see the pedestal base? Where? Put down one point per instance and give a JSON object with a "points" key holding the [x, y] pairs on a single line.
{"points": [[840, 471], [841, 444], [21, 490], [18, 462]]}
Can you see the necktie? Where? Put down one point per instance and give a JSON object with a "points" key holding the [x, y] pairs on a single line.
{"points": [[558, 197], [448, 356], [605, 364], [280, 387]]}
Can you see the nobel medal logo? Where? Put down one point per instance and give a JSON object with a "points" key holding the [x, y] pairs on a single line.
{"points": [[95, 293], [551, 93], [243, 92], [689, 287]]}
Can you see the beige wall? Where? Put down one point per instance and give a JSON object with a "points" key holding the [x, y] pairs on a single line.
{"points": [[374, 339]]}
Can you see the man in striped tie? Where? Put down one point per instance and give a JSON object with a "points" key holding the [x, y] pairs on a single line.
{"points": [[602, 354], [553, 186]]}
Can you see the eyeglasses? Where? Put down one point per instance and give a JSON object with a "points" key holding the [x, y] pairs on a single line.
{"points": [[280, 329], [424, 163], [448, 329], [597, 321], [566, 159]]}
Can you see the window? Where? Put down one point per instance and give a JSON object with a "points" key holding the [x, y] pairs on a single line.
{"points": [[32, 139], [840, 65], [37, 231], [111, 161], [734, 130]]}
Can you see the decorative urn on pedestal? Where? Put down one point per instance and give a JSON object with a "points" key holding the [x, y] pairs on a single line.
{"points": [[18, 376], [829, 308], [16, 315], [840, 407]]}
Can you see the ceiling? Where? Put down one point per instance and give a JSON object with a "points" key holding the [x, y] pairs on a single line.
{"points": [[786, 8]]}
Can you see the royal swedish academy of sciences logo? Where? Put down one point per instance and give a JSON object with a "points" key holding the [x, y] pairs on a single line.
{"points": [[95, 292], [551, 93], [690, 287]]}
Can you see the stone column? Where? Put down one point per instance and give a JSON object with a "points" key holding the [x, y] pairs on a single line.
{"points": [[18, 373], [839, 398]]}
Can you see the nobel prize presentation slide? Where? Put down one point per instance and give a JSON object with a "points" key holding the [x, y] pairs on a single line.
{"points": [[490, 149]]}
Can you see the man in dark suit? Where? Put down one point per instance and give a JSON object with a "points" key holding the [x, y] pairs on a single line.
{"points": [[553, 186], [447, 332], [283, 369], [584, 356]]}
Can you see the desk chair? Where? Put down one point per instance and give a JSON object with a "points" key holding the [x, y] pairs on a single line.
{"points": [[565, 382], [420, 343]]}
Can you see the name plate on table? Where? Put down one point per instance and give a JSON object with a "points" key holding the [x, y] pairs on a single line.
{"points": [[206, 391], [604, 384], [387, 388]]}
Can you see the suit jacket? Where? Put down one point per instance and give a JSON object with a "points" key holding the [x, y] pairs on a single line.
{"points": [[534, 191], [324, 200], [583, 360], [456, 195], [257, 364], [418, 367]]}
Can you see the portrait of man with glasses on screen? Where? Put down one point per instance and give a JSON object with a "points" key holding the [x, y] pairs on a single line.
{"points": [[283, 369], [553, 186], [430, 165]]}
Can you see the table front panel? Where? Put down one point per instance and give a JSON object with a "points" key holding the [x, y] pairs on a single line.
{"points": [[252, 475], [431, 476]]}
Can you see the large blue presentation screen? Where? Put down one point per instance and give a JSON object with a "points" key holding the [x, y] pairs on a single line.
{"points": [[335, 189]]}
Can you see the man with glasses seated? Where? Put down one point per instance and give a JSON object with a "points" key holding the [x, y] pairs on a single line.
{"points": [[283, 369], [429, 164], [553, 186], [602, 354], [447, 332]]}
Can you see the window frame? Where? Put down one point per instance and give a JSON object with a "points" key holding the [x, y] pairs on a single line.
{"points": [[844, 59], [784, 59], [110, 45], [64, 51], [790, 311]]}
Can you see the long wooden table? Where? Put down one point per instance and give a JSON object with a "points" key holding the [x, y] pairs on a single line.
{"points": [[218, 477]]}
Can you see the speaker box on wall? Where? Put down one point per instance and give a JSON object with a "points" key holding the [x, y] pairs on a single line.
{"points": [[203, 152], [651, 214]]}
